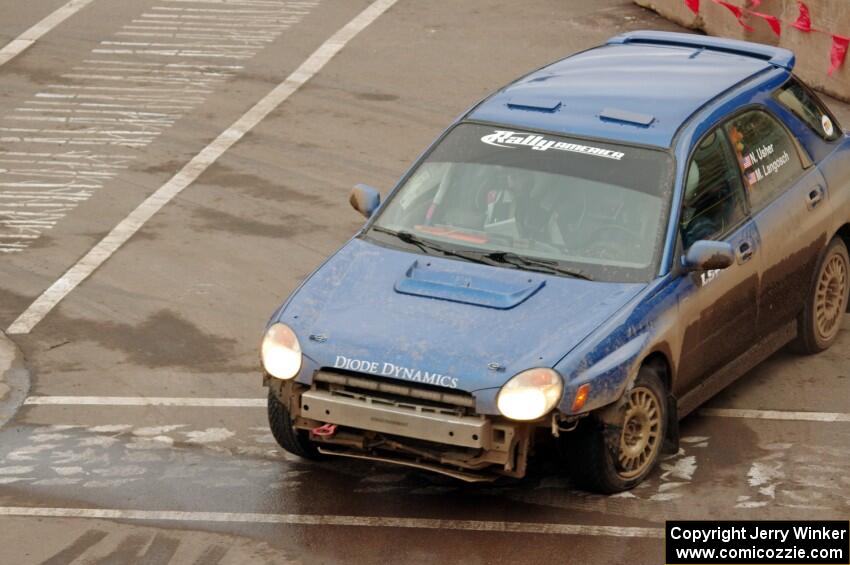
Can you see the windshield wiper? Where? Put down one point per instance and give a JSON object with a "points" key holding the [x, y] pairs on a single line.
{"points": [[534, 264], [428, 246], [489, 258]]}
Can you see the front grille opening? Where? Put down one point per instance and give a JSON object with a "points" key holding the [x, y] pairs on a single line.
{"points": [[390, 380], [401, 394]]}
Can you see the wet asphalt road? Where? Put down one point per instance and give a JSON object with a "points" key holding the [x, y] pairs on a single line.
{"points": [[178, 311]]}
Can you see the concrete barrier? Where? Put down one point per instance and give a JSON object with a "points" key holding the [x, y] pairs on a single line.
{"points": [[812, 49]]}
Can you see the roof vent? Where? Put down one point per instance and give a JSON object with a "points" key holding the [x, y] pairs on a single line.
{"points": [[624, 116], [534, 103]]}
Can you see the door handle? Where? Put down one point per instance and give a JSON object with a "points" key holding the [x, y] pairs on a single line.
{"points": [[814, 197], [745, 252]]}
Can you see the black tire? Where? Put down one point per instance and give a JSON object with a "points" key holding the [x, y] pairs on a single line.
{"points": [[294, 441], [595, 448], [813, 334]]}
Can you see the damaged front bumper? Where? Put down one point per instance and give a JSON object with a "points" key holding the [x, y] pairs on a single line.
{"points": [[406, 425]]}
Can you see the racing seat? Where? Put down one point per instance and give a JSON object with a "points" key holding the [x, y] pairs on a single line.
{"points": [[535, 210], [465, 209]]}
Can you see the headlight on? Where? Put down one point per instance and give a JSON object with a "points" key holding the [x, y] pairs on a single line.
{"points": [[530, 394], [281, 352]]}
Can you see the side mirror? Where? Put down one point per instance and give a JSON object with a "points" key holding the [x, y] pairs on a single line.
{"points": [[705, 255], [365, 199]]}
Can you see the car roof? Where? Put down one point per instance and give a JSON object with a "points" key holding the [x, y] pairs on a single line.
{"points": [[637, 88]]}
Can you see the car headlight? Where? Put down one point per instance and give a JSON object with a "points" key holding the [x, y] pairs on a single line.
{"points": [[530, 394], [281, 352]]}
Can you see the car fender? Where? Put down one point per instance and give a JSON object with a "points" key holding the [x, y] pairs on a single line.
{"points": [[609, 378], [610, 359]]}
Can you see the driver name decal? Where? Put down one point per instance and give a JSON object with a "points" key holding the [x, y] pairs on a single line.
{"points": [[511, 139], [761, 168], [392, 370]]}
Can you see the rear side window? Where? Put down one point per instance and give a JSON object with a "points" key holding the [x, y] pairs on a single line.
{"points": [[804, 104], [766, 153]]}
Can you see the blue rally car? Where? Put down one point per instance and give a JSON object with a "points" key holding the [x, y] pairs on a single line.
{"points": [[583, 258]]}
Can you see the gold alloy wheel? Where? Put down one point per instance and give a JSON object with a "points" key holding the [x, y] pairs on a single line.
{"points": [[641, 435], [830, 298]]}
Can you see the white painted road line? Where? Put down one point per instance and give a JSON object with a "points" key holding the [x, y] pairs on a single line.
{"points": [[321, 520], [193, 169], [110, 101], [775, 415], [144, 401], [261, 403], [30, 36]]}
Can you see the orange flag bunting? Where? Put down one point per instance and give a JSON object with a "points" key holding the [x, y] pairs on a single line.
{"points": [[772, 21], [838, 52], [804, 21], [737, 11]]}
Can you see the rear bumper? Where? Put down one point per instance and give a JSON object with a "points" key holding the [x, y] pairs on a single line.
{"points": [[443, 438]]}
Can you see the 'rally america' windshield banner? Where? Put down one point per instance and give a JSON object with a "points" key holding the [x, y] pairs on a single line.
{"points": [[511, 139]]}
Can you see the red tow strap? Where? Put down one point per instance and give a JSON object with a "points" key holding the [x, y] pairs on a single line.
{"points": [[325, 430]]}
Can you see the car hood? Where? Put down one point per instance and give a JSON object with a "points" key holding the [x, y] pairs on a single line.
{"points": [[440, 321]]}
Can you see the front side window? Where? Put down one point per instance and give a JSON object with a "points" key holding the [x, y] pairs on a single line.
{"points": [[766, 153], [593, 207], [714, 200], [804, 104]]}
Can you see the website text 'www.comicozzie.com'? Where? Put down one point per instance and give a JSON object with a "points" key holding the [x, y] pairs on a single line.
{"points": [[762, 543]]}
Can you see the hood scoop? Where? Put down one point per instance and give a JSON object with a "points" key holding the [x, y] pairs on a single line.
{"points": [[512, 287]]}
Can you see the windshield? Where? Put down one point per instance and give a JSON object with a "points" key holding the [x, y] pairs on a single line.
{"points": [[595, 209]]}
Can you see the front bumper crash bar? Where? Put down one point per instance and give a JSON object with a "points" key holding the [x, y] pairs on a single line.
{"points": [[400, 419]]}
